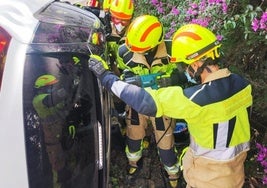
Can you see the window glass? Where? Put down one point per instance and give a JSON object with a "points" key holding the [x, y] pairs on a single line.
{"points": [[62, 99], [66, 28], [61, 103]]}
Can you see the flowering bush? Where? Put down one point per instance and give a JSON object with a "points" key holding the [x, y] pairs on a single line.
{"points": [[260, 24], [221, 16], [251, 21], [262, 159], [173, 14]]}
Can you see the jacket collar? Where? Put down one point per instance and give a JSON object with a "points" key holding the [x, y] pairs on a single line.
{"points": [[221, 73]]}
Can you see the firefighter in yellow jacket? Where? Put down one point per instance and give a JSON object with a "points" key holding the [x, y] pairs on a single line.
{"points": [[144, 54], [50, 105], [121, 13], [216, 109]]}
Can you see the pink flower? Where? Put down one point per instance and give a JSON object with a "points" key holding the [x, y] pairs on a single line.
{"points": [[219, 37], [255, 24], [224, 8], [203, 22], [264, 180], [264, 17], [175, 11], [160, 10], [193, 5], [154, 2]]}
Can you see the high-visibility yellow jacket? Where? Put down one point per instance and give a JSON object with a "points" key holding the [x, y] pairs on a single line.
{"points": [[139, 65], [216, 110]]}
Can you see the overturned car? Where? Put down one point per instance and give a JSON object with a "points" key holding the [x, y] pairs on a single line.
{"points": [[54, 113]]}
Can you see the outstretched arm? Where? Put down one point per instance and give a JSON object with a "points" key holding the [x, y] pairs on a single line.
{"points": [[138, 98]]}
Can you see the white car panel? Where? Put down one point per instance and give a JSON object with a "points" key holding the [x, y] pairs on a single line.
{"points": [[18, 20], [12, 144]]}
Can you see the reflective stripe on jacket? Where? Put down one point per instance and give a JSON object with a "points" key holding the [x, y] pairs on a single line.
{"points": [[138, 64], [113, 43], [216, 111]]}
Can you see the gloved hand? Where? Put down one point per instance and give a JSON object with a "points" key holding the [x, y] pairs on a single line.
{"points": [[97, 65], [178, 78]]}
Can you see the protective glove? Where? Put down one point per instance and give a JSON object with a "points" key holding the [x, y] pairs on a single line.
{"points": [[178, 78], [97, 65]]}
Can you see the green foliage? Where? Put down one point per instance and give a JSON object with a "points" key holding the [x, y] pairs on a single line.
{"points": [[222, 17], [245, 21], [174, 14]]}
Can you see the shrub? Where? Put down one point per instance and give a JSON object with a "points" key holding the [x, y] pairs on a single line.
{"points": [[176, 13]]}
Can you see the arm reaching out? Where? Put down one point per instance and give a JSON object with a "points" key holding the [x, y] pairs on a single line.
{"points": [[138, 98]]}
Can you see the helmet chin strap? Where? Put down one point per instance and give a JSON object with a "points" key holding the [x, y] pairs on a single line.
{"points": [[197, 74]]}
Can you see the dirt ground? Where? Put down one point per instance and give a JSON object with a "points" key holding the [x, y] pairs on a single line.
{"points": [[149, 176]]}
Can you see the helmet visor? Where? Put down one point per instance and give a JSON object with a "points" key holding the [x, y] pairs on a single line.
{"points": [[200, 53]]}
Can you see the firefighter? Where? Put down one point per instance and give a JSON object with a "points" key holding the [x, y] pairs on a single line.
{"points": [[148, 56], [121, 13], [216, 109], [49, 104]]}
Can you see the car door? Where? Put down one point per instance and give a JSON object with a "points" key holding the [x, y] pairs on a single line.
{"points": [[65, 109]]}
